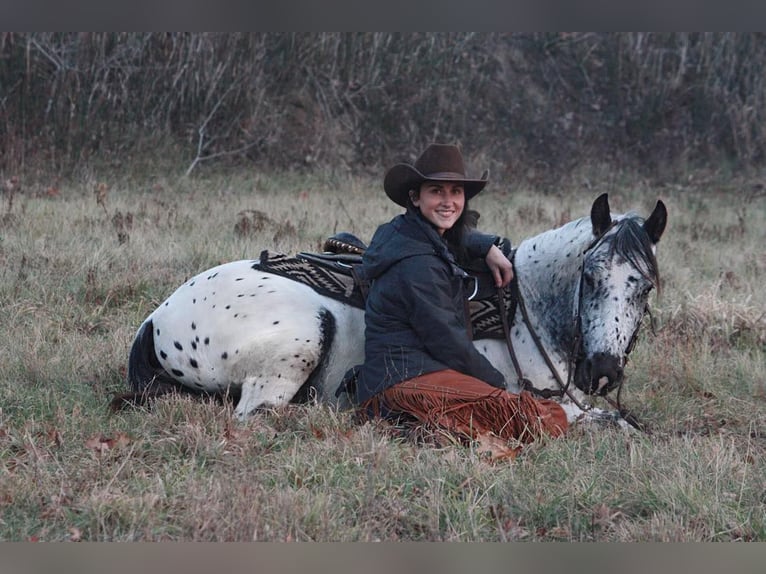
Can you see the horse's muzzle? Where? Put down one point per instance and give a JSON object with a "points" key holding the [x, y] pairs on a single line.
{"points": [[598, 374]]}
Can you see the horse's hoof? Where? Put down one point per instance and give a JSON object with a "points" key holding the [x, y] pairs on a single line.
{"points": [[604, 418]]}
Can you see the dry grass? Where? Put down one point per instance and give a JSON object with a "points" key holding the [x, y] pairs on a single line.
{"points": [[82, 267]]}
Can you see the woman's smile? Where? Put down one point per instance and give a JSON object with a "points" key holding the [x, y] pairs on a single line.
{"points": [[441, 203]]}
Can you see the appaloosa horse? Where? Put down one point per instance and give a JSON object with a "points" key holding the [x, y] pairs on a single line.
{"points": [[266, 340]]}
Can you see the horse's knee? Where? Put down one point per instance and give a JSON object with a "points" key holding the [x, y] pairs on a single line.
{"points": [[264, 392]]}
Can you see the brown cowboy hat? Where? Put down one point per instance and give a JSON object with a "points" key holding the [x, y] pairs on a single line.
{"points": [[439, 162]]}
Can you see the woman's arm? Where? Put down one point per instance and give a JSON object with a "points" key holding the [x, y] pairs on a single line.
{"points": [[482, 245], [500, 266]]}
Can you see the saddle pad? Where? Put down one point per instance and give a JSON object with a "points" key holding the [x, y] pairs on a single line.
{"points": [[337, 283], [325, 281]]}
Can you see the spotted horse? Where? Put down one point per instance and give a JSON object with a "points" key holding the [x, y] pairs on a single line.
{"points": [[250, 333]]}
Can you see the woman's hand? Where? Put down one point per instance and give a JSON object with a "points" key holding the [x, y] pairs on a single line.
{"points": [[501, 267]]}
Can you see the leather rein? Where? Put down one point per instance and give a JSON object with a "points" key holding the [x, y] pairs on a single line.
{"points": [[564, 387]]}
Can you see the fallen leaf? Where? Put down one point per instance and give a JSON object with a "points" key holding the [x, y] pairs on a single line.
{"points": [[497, 448], [560, 532], [101, 443]]}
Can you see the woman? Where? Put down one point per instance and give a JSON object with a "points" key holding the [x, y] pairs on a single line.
{"points": [[419, 359]]}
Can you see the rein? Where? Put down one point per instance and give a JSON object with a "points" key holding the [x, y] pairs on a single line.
{"points": [[526, 384], [564, 388]]}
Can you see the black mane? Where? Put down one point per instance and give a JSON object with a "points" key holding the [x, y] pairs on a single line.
{"points": [[631, 241]]}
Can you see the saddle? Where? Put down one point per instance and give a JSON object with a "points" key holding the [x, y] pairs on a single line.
{"points": [[336, 272]]}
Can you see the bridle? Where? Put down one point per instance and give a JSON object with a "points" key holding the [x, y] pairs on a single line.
{"points": [[574, 353]]}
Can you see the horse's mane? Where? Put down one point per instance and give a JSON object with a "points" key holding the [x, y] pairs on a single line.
{"points": [[631, 241]]}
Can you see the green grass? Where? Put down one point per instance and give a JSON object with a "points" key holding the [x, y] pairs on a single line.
{"points": [[77, 277]]}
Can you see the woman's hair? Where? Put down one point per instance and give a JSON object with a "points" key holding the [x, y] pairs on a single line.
{"points": [[455, 234]]}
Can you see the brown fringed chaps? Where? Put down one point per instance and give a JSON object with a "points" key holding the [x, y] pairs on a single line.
{"points": [[470, 408]]}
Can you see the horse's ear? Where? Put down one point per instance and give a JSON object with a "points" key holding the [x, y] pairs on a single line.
{"points": [[600, 216], [655, 225]]}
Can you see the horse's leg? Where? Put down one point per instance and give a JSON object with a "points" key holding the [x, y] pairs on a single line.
{"points": [[271, 377], [263, 391], [598, 417]]}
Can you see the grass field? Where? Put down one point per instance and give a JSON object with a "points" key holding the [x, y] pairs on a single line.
{"points": [[83, 262]]}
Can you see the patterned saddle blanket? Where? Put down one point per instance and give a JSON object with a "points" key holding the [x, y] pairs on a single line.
{"points": [[332, 275]]}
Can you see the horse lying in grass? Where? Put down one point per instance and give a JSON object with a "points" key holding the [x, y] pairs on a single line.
{"points": [[243, 330]]}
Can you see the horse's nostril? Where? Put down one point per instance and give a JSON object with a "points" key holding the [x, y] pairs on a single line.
{"points": [[604, 372]]}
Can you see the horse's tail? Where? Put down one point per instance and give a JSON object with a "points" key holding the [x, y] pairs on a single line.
{"points": [[146, 377]]}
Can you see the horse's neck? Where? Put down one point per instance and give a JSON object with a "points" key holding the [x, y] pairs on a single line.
{"points": [[548, 270]]}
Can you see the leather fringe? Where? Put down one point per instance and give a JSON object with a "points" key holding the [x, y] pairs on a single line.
{"points": [[470, 408]]}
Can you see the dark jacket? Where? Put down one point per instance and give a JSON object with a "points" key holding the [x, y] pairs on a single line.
{"points": [[415, 319]]}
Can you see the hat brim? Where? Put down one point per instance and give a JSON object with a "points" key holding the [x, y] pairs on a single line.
{"points": [[403, 177]]}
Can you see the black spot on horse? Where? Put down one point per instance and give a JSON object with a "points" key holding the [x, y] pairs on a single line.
{"points": [[163, 354], [194, 345], [275, 323], [194, 326], [207, 340], [193, 363], [177, 373], [224, 355], [178, 345]]}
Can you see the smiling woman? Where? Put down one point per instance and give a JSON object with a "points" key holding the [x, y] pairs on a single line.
{"points": [[420, 362]]}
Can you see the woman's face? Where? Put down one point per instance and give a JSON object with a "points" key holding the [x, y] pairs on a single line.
{"points": [[441, 203]]}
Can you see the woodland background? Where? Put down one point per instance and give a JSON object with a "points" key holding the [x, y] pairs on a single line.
{"points": [[530, 105]]}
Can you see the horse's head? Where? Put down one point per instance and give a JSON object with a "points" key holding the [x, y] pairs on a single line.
{"points": [[619, 271]]}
